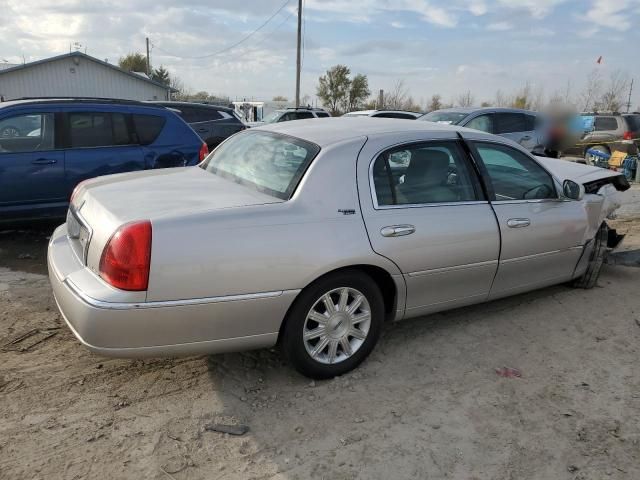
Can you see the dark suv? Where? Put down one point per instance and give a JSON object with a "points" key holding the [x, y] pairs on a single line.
{"points": [[212, 122], [607, 130], [48, 146]]}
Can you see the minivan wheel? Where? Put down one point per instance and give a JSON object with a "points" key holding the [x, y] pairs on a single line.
{"points": [[596, 259], [333, 325]]}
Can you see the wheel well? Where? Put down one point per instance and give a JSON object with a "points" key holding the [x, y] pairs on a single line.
{"points": [[379, 275]]}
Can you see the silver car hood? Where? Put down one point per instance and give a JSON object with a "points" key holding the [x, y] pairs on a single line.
{"points": [[160, 193], [578, 172]]}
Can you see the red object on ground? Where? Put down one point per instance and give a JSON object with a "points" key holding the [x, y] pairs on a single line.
{"points": [[508, 372]]}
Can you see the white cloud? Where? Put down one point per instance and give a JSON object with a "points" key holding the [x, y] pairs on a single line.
{"points": [[537, 8], [398, 25], [611, 14], [499, 27], [477, 7]]}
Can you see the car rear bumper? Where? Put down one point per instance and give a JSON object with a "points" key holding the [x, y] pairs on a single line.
{"points": [[134, 328]]}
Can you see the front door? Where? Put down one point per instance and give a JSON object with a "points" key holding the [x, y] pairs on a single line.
{"points": [[31, 168], [424, 210], [542, 233]]}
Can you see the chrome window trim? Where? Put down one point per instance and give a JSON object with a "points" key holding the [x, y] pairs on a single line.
{"points": [[372, 187], [93, 302]]}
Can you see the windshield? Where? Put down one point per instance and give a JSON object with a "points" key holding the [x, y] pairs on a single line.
{"points": [[268, 162], [273, 116], [453, 118]]}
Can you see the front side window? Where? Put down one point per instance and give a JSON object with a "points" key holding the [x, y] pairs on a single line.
{"points": [[434, 172], [484, 123], [267, 162], [453, 118], [514, 175], [510, 123], [27, 133]]}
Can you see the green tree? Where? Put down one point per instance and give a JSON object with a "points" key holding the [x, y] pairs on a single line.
{"points": [[358, 92], [133, 62], [161, 75], [334, 87]]}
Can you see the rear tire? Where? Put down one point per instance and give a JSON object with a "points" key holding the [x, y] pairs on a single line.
{"points": [[333, 325], [596, 259]]}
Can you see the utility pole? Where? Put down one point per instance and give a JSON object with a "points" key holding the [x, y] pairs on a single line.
{"points": [[629, 100], [298, 55], [380, 99], [148, 62]]}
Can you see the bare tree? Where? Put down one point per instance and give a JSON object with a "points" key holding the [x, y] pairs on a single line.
{"points": [[396, 98], [465, 99], [538, 98], [613, 97], [501, 99], [591, 92], [435, 103]]}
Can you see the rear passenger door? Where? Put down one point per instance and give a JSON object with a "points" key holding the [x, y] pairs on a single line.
{"points": [[518, 127], [99, 143], [424, 210]]}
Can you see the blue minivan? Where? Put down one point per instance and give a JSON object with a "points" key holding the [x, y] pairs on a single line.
{"points": [[48, 146]]}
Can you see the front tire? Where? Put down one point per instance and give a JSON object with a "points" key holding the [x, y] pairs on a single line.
{"points": [[596, 259], [334, 324]]}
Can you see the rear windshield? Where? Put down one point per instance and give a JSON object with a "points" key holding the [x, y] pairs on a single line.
{"points": [[452, 118], [634, 122], [268, 162]]}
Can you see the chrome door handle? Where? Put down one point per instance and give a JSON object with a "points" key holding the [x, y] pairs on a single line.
{"points": [[397, 230], [518, 222]]}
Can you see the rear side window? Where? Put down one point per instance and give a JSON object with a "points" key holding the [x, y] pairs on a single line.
{"points": [[206, 114], [120, 129], [147, 127], [394, 115], [605, 123], [434, 172], [91, 129], [531, 122], [322, 114], [511, 122]]}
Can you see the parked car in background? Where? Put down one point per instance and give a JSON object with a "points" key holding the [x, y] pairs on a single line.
{"points": [[606, 130], [303, 234], [292, 113], [57, 143], [524, 127], [212, 122], [385, 114]]}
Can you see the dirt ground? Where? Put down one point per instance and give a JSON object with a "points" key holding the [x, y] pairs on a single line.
{"points": [[427, 404]]}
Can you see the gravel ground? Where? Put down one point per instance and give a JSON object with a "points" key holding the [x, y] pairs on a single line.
{"points": [[428, 403]]}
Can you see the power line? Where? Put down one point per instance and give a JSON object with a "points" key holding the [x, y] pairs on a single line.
{"points": [[231, 46]]}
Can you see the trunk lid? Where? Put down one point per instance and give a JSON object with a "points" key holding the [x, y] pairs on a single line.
{"points": [[159, 193]]}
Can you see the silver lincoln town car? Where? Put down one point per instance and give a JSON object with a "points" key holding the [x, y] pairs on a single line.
{"points": [[312, 234]]}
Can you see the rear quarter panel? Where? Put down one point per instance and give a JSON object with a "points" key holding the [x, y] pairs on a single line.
{"points": [[265, 248]]}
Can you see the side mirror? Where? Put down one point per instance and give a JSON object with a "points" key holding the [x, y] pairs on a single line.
{"points": [[572, 190]]}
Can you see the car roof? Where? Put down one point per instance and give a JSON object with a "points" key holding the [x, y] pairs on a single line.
{"points": [[178, 104], [486, 109], [72, 100], [336, 129]]}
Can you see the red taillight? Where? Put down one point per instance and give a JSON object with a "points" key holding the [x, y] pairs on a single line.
{"points": [[126, 258], [627, 136], [204, 151]]}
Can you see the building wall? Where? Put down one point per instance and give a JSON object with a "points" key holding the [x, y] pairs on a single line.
{"points": [[87, 78]]}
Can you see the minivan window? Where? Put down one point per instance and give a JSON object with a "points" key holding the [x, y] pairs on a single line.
{"points": [[147, 127], [90, 129], [605, 123], [267, 162]]}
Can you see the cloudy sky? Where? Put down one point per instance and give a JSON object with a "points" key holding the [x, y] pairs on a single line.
{"points": [[435, 46]]}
